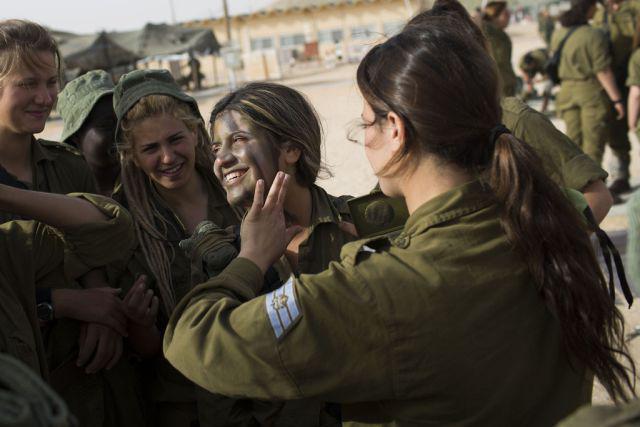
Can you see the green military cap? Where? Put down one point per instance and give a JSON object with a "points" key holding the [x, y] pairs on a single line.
{"points": [[78, 98], [137, 84]]}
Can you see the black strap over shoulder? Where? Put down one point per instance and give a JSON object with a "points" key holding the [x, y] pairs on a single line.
{"points": [[609, 251], [552, 67]]}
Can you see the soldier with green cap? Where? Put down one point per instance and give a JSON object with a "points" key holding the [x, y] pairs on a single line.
{"points": [[86, 107], [618, 19], [495, 18], [588, 93], [168, 185]]}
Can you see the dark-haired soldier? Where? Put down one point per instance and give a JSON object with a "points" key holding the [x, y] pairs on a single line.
{"points": [[86, 107], [495, 18]]}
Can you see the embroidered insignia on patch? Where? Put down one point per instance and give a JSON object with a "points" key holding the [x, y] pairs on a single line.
{"points": [[282, 308]]}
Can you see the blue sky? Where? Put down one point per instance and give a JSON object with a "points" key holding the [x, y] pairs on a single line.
{"points": [[95, 15]]}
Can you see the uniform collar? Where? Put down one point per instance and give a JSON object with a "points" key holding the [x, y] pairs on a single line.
{"points": [[453, 204], [322, 209], [39, 153]]}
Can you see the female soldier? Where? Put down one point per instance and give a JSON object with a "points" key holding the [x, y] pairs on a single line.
{"points": [[633, 82], [495, 18], [423, 327], [169, 188], [86, 107], [29, 80], [266, 127], [29, 75], [562, 159], [588, 87]]}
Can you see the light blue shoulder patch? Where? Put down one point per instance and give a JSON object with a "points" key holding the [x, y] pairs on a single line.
{"points": [[282, 308]]}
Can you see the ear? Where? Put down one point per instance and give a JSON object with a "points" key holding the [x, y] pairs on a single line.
{"points": [[290, 154], [396, 127]]}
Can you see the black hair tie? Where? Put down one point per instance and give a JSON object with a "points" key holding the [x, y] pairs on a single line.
{"points": [[497, 131]]}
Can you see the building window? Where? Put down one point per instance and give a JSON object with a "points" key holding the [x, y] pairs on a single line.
{"points": [[392, 28], [262, 43], [291, 40], [330, 36], [364, 32]]}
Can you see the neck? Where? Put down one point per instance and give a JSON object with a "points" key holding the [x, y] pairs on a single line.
{"points": [[297, 205], [105, 177], [429, 180], [188, 194], [15, 149]]}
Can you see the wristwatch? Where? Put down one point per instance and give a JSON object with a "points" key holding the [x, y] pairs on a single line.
{"points": [[44, 306]]}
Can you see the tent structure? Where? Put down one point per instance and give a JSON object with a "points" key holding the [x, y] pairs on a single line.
{"points": [[108, 50]]}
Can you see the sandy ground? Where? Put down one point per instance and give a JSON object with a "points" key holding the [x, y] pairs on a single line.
{"points": [[334, 94]]}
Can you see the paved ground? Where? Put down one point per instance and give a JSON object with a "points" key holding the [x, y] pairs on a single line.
{"points": [[335, 96]]}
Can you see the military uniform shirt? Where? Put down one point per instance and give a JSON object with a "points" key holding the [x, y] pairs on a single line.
{"points": [[565, 163], [57, 168], [585, 53], [326, 237], [501, 47], [620, 26], [33, 253], [442, 325]]}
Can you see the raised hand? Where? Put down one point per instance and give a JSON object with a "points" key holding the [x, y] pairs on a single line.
{"points": [[264, 234]]}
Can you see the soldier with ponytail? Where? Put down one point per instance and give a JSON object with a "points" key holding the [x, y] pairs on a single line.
{"points": [[487, 309]]}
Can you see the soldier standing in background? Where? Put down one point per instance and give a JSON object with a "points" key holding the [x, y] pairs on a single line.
{"points": [[618, 19], [495, 18]]}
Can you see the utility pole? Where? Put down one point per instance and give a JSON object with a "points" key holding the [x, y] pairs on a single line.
{"points": [[173, 12], [230, 53]]}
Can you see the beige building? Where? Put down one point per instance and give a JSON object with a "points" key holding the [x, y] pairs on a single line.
{"points": [[292, 34]]}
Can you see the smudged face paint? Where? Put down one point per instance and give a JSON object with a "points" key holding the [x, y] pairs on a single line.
{"points": [[243, 156]]}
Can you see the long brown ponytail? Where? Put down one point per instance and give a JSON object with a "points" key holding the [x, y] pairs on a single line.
{"points": [[444, 86]]}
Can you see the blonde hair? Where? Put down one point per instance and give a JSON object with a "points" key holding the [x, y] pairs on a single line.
{"points": [[151, 227], [20, 41]]}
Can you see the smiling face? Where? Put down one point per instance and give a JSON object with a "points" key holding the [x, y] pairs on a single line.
{"points": [[165, 149], [243, 156], [27, 96]]}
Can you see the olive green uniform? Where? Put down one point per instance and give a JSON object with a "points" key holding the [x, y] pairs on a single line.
{"points": [[415, 330], [582, 101], [620, 26], [546, 26], [622, 415], [172, 397], [533, 62], [326, 235], [501, 47], [633, 78], [34, 254], [57, 168], [563, 160]]}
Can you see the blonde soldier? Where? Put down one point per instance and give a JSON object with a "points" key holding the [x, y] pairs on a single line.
{"points": [[396, 331], [588, 90], [29, 74], [562, 159], [29, 80], [495, 18], [169, 188], [618, 20]]}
